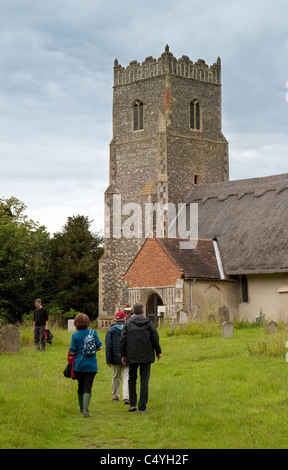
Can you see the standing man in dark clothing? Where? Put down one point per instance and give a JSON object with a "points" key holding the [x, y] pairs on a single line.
{"points": [[138, 344], [40, 324]]}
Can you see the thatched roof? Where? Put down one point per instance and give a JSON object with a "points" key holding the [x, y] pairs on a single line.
{"points": [[249, 219]]}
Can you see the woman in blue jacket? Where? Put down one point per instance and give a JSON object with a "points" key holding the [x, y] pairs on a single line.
{"points": [[85, 367]]}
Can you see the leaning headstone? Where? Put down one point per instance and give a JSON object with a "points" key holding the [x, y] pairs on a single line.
{"points": [[223, 313], [9, 339], [227, 329], [272, 326], [71, 326]]}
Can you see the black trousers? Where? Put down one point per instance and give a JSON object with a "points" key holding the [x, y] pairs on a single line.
{"points": [[85, 381], [39, 336], [144, 385]]}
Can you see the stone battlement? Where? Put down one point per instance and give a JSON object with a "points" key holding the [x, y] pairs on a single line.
{"points": [[167, 64]]}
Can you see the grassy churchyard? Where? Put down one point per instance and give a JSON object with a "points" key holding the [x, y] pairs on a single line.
{"points": [[206, 392]]}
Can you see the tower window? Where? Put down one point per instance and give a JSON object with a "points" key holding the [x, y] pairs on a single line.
{"points": [[138, 115], [195, 115]]}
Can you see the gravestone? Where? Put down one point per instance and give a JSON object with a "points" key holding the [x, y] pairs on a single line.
{"points": [[227, 329], [71, 326], [272, 326], [223, 313], [260, 319], [183, 319], [211, 317], [9, 339], [196, 312]]}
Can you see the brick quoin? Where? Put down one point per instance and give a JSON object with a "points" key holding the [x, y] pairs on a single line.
{"points": [[152, 267]]}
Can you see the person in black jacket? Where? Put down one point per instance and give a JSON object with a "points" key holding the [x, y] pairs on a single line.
{"points": [[138, 344], [114, 360], [40, 324]]}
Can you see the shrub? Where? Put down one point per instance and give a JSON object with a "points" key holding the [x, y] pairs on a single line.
{"points": [[205, 329], [269, 344], [238, 325]]}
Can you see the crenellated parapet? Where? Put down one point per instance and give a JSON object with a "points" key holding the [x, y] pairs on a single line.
{"points": [[167, 64]]}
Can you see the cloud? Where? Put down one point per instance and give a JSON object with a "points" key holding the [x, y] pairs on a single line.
{"points": [[257, 154], [56, 71]]}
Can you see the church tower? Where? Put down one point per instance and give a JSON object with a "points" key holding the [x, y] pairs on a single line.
{"points": [[167, 137]]}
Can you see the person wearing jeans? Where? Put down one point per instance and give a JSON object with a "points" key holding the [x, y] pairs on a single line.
{"points": [[138, 344], [144, 383], [114, 360]]}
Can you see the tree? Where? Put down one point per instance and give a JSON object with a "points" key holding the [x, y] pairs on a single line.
{"points": [[62, 270], [75, 256], [24, 260]]}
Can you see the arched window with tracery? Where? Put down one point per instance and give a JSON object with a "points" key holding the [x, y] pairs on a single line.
{"points": [[195, 115], [138, 115]]}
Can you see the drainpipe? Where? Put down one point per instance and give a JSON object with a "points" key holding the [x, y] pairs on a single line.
{"points": [[218, 258], [191, 297]]}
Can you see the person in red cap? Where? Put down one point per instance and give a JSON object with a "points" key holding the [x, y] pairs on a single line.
{"points": [[114, 359]]}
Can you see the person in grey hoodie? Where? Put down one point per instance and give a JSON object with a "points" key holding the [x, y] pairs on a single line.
{"points": [[114, 360], [139, 342]]}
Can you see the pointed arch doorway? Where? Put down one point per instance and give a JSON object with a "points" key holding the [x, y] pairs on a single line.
{"points": [[152, 307]]}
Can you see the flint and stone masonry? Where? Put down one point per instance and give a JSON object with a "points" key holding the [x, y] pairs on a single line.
{"points": [[157, 153]]}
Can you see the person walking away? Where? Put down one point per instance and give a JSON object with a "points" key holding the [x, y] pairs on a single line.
{"points": [[85, 367], [128, 310], [138, 344], [114, 359], [40, 324]]}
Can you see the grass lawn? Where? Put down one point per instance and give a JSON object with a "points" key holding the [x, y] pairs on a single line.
{"points": [[206, 392]]}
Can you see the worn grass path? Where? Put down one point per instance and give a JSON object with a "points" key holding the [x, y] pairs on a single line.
{"points": [[205, 393]]}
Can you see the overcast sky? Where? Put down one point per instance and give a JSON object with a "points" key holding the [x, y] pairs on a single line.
{"points": [[56, 71]]}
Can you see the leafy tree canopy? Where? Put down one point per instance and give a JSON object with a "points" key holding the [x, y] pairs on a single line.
{"points": [[24, 259], [62, 270], [76, 253]]}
